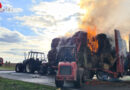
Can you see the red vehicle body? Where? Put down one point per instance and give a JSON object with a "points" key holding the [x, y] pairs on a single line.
{"points": [[69, 77], [68, 70], [120, 60], [1, 61], [76, 73]]}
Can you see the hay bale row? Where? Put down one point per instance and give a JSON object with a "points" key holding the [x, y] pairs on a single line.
{"points": [[103, 58]]}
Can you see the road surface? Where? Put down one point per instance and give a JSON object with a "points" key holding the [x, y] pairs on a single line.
{"points": [[33, 78], [124, 84]]}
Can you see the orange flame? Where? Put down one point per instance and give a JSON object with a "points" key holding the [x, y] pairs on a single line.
{"points": [[68, 34], [126, 38], [92, 42]]}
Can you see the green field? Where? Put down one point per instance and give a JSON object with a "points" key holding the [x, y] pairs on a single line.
{"points": [[7, 84], [7, 68]]}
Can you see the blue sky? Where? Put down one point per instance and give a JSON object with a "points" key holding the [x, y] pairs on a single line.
{"points": [[32, 24], [13, 24]]}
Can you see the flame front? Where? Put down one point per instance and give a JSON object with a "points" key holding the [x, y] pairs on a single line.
{"points": [[92, 42], [126, 38], [91, 38]]}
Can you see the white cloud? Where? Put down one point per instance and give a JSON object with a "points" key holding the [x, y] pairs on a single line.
{"points": [[50, 20], [37, 21], [17, 10], [56, 9], [10, 36], [10, 9], [12, 49], [33, 1]]}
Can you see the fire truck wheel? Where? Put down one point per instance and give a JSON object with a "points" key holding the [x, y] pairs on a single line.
{"points": [[59, 84], [78, 83]]}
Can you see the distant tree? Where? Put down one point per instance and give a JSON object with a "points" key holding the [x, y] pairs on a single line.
{"points": [[7, 63]]}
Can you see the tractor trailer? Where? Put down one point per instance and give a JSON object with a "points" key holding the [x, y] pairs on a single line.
{"points": [[73, 61], [72, 67]]}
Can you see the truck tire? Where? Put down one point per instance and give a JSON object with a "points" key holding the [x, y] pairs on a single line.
{"points": [[59, 83], [102, 76], [78, 83], [43, 70], [51, 71], [29, 68], [88, 75], [19, 67]]}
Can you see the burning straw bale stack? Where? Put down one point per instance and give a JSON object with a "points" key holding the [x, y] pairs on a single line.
{"points": [[105, 52], [53, 52], [103, 58]]}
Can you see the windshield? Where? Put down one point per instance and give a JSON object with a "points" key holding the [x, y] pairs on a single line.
{"points": [[66, 54]]}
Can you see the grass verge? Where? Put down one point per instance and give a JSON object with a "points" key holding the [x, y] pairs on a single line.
{"points": [[7, 68], [7, 84]]}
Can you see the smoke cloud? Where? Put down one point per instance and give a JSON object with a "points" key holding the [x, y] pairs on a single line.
{"points": [[106, 15]]}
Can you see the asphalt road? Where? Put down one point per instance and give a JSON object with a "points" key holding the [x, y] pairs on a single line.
{"points": [[124, 84], [33, 78]]}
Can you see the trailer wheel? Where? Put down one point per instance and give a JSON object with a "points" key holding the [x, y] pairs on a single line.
{"points": [[87, 75], [19, 68], [59, 83], [43, 70], [29, 68], [102, 76], [78, 83], [51, 71]]}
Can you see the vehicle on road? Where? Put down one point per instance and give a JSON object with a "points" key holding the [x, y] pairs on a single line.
{"points": [[35, 61], [71, 63], [1, 61], [70, 68], [32, 62]]}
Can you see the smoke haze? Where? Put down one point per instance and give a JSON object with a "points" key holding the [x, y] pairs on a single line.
{"points": [[106, 15]]}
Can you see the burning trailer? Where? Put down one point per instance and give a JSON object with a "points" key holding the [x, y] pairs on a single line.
{"points": [[78, 60]]}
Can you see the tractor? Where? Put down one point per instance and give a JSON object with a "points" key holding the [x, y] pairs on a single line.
{"points": [[32, 62]]}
